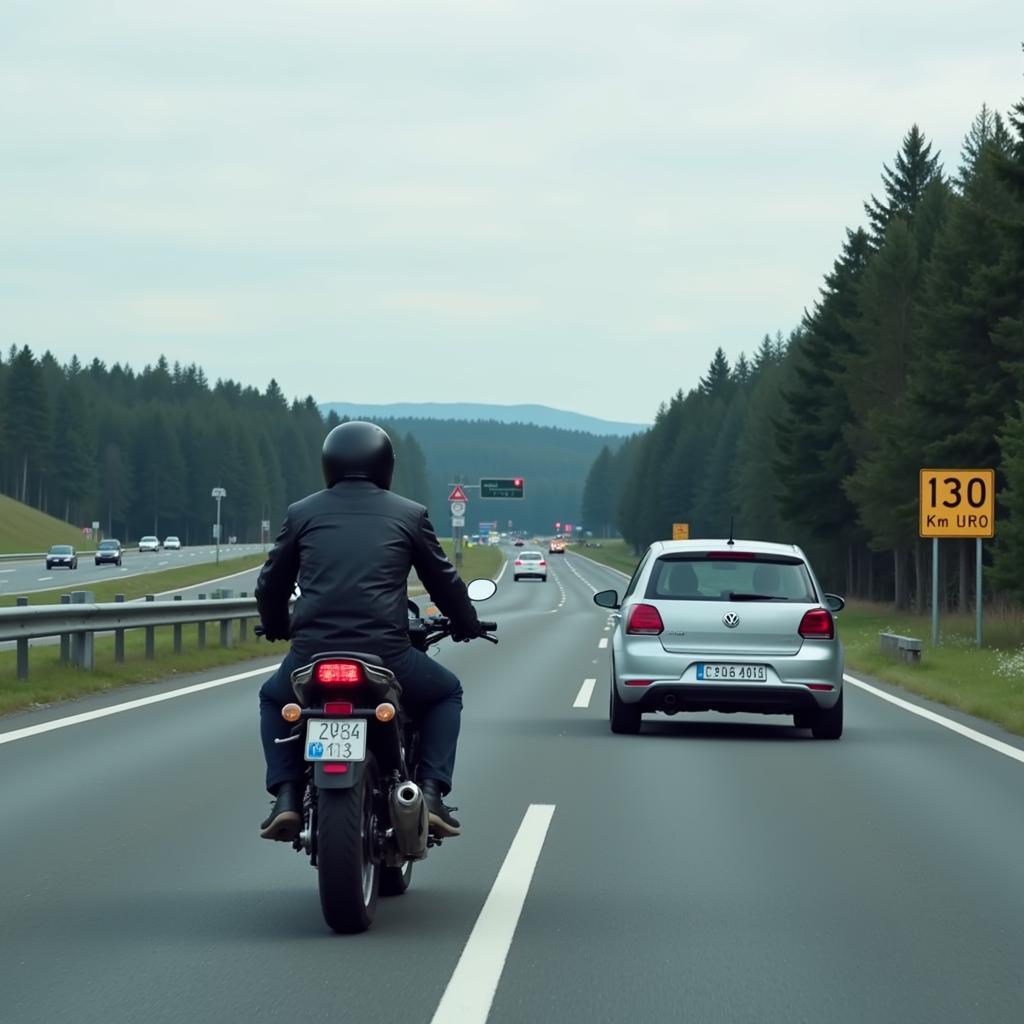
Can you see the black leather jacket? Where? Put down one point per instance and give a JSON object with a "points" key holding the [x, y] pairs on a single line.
{"points": [[350, 548]]}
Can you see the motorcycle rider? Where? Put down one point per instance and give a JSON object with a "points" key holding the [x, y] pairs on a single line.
{"points": [[351, 547]]}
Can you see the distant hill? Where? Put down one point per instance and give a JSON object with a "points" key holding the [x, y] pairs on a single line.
{"points": [[553, 462], [24, 529], [538, 415]]}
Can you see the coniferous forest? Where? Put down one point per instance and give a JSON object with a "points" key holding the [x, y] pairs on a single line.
{"points": [[911, 356], [141, 452]]}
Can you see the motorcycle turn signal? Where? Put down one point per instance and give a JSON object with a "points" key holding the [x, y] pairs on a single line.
{"points": [[291, 712]]}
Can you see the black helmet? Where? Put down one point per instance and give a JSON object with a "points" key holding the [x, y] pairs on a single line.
{"points": [[358, 451]]}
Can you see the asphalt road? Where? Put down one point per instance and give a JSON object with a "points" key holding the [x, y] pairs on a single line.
{"points": [[27, 577], [710, 869]]}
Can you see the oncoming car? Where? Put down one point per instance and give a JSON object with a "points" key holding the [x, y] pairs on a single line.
{"points": [[109, 552], [726, 626], [62, 554], [530, 564]]}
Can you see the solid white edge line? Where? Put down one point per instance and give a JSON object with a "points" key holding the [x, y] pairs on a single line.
{"points": [[593, 561], [947, 723], [131, 705], [471, 988], [603, 642], [586, 692], [504, 566]]}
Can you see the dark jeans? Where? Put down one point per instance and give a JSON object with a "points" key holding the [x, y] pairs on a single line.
{"points": [[430, 693]]}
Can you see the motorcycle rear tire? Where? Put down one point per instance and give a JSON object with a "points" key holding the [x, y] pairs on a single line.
{"points": [[349, 876], [394, 881]]}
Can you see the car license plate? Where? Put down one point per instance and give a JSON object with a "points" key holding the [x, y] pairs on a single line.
{"points": [[336, 739], [732, 673]]}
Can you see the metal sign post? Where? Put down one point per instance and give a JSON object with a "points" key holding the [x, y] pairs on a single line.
{"points": [[978, 591], [218, 494], [957, 503]]}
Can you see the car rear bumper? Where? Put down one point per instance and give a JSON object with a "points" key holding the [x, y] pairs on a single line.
{"points": [[752, 698]]}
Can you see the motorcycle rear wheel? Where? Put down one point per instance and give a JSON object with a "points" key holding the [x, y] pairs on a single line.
{"points": [[349, 874]]}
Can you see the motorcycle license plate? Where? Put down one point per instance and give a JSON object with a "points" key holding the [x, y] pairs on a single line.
{"points": [[732, 673], [336, 739]]}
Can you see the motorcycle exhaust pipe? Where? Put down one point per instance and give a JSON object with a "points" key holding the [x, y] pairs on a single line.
{"points": [[409, 819]]}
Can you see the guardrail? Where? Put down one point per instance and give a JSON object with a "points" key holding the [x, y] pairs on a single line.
{"points": [[77, 620], [906, 648]]}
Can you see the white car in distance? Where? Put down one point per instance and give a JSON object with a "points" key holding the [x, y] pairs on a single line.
{"points": [[149, 544], [172, 544], [530, 565]]}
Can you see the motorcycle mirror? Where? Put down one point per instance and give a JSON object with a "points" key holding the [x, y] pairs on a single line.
{"points": [[482, 590]]}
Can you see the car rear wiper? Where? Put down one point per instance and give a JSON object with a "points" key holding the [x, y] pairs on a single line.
{"points": [[755, 597]]}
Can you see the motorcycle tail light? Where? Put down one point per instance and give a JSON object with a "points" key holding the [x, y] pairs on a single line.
{"points": [[337, 707], [338, 673]]}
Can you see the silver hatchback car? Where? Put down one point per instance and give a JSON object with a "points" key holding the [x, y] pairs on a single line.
{"points": [[708, 625]]}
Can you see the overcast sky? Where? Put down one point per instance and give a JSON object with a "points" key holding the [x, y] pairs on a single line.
{"points": [[565, 202]]}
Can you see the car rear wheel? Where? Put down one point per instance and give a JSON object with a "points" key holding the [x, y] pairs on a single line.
{"points": [[828, 725], [624, 719]]}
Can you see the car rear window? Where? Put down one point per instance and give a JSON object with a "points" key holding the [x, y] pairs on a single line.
{"points": [[108, 545], [700, 578], [60, 549], [531, 556]]}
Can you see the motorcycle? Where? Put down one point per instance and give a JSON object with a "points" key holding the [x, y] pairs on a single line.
{"points": [[364, 816]]}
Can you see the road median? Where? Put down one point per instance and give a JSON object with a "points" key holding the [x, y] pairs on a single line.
{"points": [[134, 586]]}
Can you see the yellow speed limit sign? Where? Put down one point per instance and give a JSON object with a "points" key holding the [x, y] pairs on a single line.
{"points": [[958, 503]]}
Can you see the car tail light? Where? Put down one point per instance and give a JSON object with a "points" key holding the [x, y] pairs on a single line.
{"points": [[732, 556], [519, 561], [645, 620], [335, 767], [824, 687], [338, 673], [638, 682], [337, 707], [818, 624], [542, 563]]}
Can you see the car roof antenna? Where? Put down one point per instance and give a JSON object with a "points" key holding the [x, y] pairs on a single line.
{"points": [[732, 530]]}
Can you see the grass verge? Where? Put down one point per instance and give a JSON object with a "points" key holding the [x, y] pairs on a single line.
{"points": [[51, 681], [477, 561], [987, 683], [146, 583], [25, 529], [615, 553]]}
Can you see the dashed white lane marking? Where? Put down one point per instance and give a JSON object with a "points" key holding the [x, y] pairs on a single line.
{"points": [[7, 570], [470, 991], [561, 591], [590, 586], [603, 642], [586, 692], [607, 629], [131, 705], [43, 579], [947, 723]]}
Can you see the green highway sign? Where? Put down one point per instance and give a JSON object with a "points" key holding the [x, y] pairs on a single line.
{"points": [[502, 487]]}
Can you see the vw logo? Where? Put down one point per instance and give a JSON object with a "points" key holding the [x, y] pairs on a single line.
{"points": [[731, 619]]}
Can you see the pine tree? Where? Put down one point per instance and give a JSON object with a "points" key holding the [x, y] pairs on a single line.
{"points": [[1008, 558], [905, 183], [717, 382]]}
